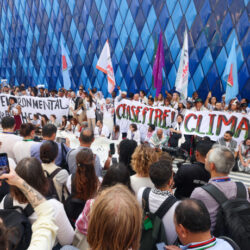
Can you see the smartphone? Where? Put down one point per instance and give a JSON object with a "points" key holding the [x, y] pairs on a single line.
{"points": [[112, 148], [4, 164], [61, 140]]}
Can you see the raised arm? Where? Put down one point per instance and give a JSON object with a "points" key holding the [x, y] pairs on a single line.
{"points": [[32, 195]]}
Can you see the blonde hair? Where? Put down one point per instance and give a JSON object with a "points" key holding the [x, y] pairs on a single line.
{"points": [[115, 220], [142, 158]]}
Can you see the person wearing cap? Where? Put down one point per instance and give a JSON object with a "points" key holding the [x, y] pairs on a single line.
{"points": [[198, 105]]}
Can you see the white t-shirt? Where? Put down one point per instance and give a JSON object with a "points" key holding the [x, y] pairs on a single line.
{"points": [[8, 142], [156, 198], [104, 132], [138, 182], [90, 110], [22, 149]]}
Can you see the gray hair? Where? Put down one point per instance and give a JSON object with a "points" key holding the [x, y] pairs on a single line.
{"points": [[223, 159]]}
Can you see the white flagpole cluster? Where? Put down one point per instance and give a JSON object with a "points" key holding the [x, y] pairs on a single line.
{"points": [[181, 83], [105, 65]]}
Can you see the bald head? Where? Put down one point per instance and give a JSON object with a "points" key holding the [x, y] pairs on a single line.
{"points": [[159, 133], [86, 136]]}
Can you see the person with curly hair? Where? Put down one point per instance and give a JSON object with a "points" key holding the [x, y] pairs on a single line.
{"points": [[142, 158]]}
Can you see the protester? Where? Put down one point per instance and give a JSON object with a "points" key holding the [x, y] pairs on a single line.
{"points": [[116, 174], [86, 139], [219, 162], [44, 229], [115, 135], [228, 141], [158, 139], [176, 135], [64, 124], [49, 134], [134, 133], [101, 130], [190, 176], [126, 149], [22, 148], [106, 233], [53, 120], [142, 158], [30, 170], [192, 223], [83, 185], [244, 156], [161, 175], [44, 120], [48, 154], [91, 116], [15, 110], [7, 138]]}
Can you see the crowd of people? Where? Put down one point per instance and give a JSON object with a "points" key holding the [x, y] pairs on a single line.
{"points": [[71, 200]]}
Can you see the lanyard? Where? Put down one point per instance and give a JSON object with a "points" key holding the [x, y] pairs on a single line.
{"points": [[203, 245], [28, 140], [222, 179]]}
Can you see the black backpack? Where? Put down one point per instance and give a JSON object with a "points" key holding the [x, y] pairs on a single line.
{"points": [[153, 231], [64, 164], [233, 217], [19, 226], [52, 193]]}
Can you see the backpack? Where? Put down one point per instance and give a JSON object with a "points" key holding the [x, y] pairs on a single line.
{"points": [[17, 223], [52, 193], [64, 164], [153, 231], [233, 217], [73, 206]]}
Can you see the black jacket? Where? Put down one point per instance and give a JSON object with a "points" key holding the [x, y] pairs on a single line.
{"points": [[188, 177]]}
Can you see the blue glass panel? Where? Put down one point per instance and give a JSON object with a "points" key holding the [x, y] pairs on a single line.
{"points": [[212, 76], [198, 76], [207, 61], [177, 16], [169, 32], [171, 4], [190, 14], [221, 61], [205, 12], [151, 19]]}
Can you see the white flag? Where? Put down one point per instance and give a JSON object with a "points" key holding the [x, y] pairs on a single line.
{"points": [[105, 65], [181, 83]]}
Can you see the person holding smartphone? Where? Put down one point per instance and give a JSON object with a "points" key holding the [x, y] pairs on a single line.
{"points": [[44, 229]]}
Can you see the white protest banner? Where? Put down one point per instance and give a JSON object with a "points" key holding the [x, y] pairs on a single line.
{"points": [[128, 112], [215, 124], [35, 105]]}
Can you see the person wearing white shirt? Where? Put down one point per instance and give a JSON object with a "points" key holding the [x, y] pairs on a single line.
{"points": [[90, 112], [7, 138], [101, 130], [108, 114], [22, 148], [134, 133], [161, 175]]}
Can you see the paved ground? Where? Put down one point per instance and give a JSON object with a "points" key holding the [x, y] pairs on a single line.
{"points": [[235, 176]]}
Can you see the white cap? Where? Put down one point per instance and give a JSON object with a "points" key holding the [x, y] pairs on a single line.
{"points": [[124, 93]]}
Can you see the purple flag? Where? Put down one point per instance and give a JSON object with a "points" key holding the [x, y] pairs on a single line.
{"points": [[158, 65]]}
